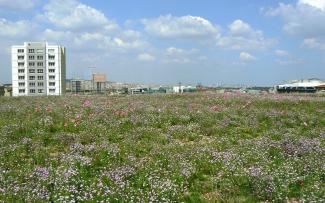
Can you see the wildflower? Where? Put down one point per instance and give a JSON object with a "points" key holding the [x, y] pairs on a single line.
{"points": [[86, 103], [48, 109], [216, 108], [37, 109]]}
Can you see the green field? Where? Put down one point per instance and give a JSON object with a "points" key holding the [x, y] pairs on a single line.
{"points": [[201, 147]]}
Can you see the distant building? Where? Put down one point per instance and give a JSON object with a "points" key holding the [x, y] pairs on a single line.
{"points": [[2, 91], [302, 86], [38, 69], [182, 89], [6, 90], [77, 85], [99, 82]]}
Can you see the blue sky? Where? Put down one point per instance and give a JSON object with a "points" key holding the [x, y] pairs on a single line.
{"points": [[252, 42]]}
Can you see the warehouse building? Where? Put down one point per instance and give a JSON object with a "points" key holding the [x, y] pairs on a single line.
{"points": [[301, 86]]}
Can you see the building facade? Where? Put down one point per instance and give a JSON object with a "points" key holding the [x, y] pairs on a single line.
{"points": [[38, 69]]}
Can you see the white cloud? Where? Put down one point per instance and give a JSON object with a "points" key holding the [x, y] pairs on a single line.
{"points": [[71, 14], [181, 56], [285, 58], [313, 43], [241, 28], [247, 57], [15, 29], [106, 43], [285, 62], [242, 36], [18, 4], [305, 19], [50, 34], [183, 27], [146, 57], [319, 4], [174, 51], [281, 53]]}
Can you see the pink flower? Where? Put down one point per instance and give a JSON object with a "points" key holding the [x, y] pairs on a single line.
{"points": [[65, 124], [49, 109], [86, 103], [78, 116]]}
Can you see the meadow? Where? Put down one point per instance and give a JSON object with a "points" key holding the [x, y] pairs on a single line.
{"points": [[200, 147]]}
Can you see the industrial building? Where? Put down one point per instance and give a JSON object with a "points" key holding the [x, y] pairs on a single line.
{"points": [[97, 84], [301, 86], [38, 69]]}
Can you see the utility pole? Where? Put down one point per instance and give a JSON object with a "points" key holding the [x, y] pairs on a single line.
{"points": [[92, 77]]}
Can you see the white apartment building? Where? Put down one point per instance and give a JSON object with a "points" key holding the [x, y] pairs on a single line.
{"points": [[38, 69]]}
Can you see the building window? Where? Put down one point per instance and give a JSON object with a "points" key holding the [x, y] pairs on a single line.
{"points": [[39, 63], [40, 77], [21, 64], [32, 91], [52, 90], [39, 57], [21, 84], [31, 51], [31, 77], [51, 64], [52, 77], [51, 50], [32, 84], [21, 57], [40, 91], [51, 57], [31, 70], [40, 51], [51, 83], [31, 57], [40, 84], [40, 71], [20, 50], [21, 90], [31, 64], [21, 77], [52, 70], [21, 70]]}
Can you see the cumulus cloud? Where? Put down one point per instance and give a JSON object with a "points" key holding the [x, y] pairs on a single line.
{"points": [[281, 53], [285, 58], [73, 15], [184, 27], [16, 29], [146, 57], [247, 57], [304, 19], [55, 35], [18, 4], [242, 36], [102, 42], [82, 27], [319, 4], [313, 43], [178, 55]]}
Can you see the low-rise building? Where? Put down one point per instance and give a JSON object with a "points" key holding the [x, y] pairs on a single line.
{"points": [[300, 86], [6, 90], [182, 89]]}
